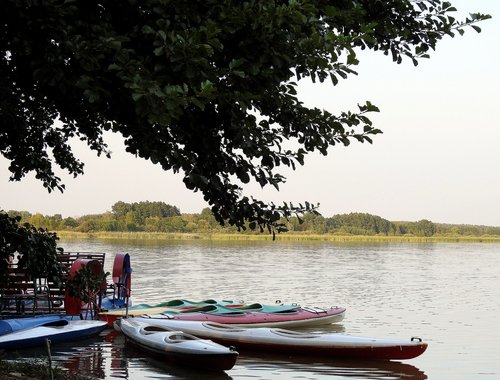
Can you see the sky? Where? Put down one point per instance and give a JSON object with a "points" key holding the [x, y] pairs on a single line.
{"points": [[438, 158]]}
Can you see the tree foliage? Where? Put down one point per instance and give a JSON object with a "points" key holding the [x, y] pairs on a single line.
{"points": [[34, 249], [145, 210], [86, 284], [206, 88], [361, 224], [355, 223]]}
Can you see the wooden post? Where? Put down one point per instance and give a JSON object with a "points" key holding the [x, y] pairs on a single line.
{"points": [[51, 373]]}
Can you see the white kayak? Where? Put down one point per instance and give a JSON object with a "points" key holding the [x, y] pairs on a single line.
{"points": [[177, 346], [56, 331], [327, 345]]}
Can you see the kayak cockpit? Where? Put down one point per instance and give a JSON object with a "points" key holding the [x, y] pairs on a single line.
{"points": [[173, 336], [179, 337], [221, 327], [59, 323], [294, 334], [147, 330]]}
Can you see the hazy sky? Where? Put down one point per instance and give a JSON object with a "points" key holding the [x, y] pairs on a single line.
{"points": [[438, 158]]}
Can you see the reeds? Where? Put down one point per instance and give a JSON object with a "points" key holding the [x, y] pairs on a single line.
{"points": [[280, 237]]}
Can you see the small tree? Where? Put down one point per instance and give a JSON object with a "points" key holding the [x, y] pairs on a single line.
{"points": [[87, 286]]}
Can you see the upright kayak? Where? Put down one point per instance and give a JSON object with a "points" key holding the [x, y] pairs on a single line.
{"points": [[57, 331], [326, 345], [177, 346]]}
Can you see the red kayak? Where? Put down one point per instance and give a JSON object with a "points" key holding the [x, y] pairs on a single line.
{"points": [[326, 345], [302, 316]]}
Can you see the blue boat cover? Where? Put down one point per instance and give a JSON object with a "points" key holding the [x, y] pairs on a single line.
{"points": [[8, 326]]}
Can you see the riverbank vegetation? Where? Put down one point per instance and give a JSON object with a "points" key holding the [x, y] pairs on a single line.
{"points": [[35, 369], [158, 220]]}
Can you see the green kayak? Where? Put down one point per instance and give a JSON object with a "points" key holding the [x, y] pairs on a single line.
{"points": [[216, 307]]}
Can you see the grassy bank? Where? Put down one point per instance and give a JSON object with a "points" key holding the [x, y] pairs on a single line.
{"points": [[280, 237], [35, 369]]}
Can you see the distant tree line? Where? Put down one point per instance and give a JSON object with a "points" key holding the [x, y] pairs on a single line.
{"points": [[162, 217]]}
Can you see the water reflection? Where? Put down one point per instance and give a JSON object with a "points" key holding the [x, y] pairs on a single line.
{"points": [[158, 369], [88, 360], [118, 359], [312, 368], [86, 356]]}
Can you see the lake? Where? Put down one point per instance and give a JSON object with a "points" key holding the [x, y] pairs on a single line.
{"points": [[445, 293]]}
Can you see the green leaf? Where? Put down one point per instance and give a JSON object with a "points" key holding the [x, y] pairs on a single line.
{"points": [[137, 96], [114, 67], [334, 79], [159, 51]]}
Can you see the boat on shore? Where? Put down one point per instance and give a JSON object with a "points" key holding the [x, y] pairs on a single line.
{"points": [[325, 345], [61, 330], [176, 346]]}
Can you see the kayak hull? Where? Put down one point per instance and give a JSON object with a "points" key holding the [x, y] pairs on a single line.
{"points": [[178, 347], [326, 345]]}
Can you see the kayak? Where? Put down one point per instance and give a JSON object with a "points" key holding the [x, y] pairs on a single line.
{"points": [[225, 306], [113, 315], [298, 317], [56, 331], [330, 345], [214, 306], [10, 325], [177, 346], [212, 309], [186, 304]]}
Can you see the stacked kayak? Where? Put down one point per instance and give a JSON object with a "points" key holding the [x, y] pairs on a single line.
{"points": [[56, 330], [176, 346], [238, 314], [298, 317], [329, 345]]}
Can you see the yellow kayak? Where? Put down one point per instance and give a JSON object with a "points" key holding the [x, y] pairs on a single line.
{"points": [[150, 310]]}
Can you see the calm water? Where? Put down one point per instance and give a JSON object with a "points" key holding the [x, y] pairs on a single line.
{"points": [[447, 294]]}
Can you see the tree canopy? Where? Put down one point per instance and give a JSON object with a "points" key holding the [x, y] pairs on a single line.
{"points": [[206, 88], [313, 225]]}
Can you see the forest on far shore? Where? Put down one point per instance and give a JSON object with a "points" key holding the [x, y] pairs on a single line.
{"points": [[161, 217]]}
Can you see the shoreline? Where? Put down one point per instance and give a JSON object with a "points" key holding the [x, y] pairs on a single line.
{"points": [[295, 237]]}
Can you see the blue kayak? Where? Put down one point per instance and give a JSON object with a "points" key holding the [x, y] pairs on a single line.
{"points": [[57, 331], [8, 326]]}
